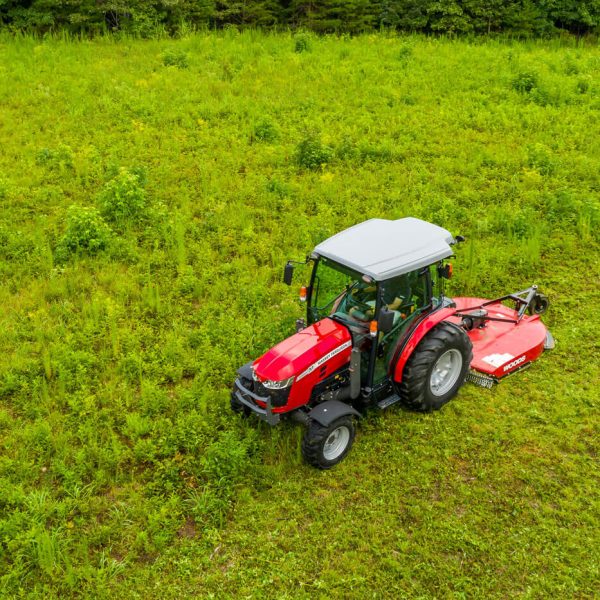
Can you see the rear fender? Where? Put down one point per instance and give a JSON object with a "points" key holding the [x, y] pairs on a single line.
{"points": [[327, 412], [422, 329]]}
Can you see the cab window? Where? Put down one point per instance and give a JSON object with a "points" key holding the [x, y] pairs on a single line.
{"points": [[407, 293]]}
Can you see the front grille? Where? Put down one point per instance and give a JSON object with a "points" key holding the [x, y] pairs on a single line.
{"points": [[259, 405], [248, 384]]}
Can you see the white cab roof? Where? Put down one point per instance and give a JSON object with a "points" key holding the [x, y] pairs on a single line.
{"points": [[382, 249]]}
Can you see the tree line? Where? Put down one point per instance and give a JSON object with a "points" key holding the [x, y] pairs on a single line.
{"points": [[145, 17]]}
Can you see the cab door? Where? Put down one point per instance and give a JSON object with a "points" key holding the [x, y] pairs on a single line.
{"points": [[408, 295]]}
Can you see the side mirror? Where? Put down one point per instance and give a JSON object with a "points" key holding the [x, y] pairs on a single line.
{"points": [[459, 239], [288, 273], [445, 271], [386, 320]]}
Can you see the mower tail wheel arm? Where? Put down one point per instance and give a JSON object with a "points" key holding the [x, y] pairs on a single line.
{"points": [[327, 412]]}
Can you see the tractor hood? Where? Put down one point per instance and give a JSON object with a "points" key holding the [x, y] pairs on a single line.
{"points": [[304, 352]]}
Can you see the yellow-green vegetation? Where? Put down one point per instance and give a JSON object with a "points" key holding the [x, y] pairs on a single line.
{"points": [[150, 192]]}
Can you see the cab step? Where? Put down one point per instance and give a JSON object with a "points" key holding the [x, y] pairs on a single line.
{"points": [[388, 401]]}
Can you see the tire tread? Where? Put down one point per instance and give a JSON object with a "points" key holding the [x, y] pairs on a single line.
{"points": [[314, 438], [412, 388]]}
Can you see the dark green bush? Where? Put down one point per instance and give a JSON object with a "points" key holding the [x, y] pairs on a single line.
{"points": [[583, 86], [302, 43], [175, 58], [525, 82], [312, 154], [265, 131]]}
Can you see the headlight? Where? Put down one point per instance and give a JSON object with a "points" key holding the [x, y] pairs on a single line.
{"points": [[278, 385], [254, 375]]}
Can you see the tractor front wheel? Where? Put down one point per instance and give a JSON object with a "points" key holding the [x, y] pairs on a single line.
{"points": [[323, 447], [437, 368]]}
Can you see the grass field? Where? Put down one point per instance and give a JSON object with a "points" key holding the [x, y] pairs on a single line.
{"points": [[150, 193]]}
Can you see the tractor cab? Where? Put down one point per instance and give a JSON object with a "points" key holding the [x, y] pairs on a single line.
{"points": [[376, 313], [377, 278]]}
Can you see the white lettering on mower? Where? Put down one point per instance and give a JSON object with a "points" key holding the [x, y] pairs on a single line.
{"points": [[514, 363], [497, 360], [324, 359]]}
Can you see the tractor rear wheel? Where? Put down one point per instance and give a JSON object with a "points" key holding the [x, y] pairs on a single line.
{"points": [[323, 447], [437, 368]]}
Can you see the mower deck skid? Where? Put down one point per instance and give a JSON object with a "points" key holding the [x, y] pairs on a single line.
{"points": [[503, 341]]}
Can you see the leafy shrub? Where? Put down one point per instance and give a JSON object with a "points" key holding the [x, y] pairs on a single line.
{"points": [[312, 154], [525, 82], [86, 233], [175, 58], [123, 198], [302, 43], [266, 131]]}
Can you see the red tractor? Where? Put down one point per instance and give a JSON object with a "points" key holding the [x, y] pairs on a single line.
{"points": [[380, 331]]}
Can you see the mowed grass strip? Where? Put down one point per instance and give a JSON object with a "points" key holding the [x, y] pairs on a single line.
{"points": [[150, 192]]}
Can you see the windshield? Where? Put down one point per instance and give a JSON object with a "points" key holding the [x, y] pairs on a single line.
{"points": [[342, 293]]}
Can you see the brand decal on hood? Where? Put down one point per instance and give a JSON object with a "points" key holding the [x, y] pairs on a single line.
{"points": [[324, 359]]}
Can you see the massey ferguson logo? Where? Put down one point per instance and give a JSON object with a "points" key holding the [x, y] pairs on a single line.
{"points": [[324, 359], [514, 363]]}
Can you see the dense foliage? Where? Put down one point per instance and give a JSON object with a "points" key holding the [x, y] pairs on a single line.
{"points": [[150, 192], [517, 17]]}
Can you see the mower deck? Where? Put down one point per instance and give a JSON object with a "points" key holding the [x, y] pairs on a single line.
{"points": [[503, 346]]}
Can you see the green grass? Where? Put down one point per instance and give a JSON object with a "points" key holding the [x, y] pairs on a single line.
{"points": [[195, 168]]}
